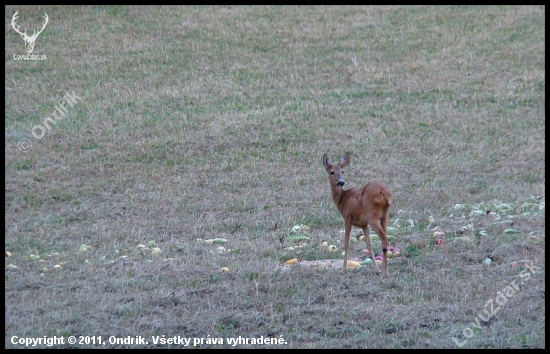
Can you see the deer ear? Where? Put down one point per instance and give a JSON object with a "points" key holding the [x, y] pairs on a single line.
{"points": [[344, 161], [326, 161]]}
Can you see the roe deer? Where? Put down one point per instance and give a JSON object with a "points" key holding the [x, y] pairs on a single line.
{"points": [[360, 207]]}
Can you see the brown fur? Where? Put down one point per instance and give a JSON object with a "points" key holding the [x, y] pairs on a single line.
{"points": [[360, 207]]}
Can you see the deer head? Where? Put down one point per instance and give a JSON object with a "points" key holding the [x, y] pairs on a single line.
{"points": [[336, 172], [29, 40]]}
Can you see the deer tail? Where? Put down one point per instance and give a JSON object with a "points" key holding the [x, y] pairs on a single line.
{"points": [[386, 194]]}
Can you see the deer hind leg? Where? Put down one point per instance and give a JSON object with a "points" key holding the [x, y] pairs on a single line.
{"points": [[377, 227], [384, 220], [366, 232]]}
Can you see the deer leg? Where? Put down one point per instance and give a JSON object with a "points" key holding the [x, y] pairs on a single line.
{"points": [[346, 245], [384, 221], [366, 232], [377, 227]]}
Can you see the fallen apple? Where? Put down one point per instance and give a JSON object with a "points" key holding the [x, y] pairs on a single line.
{"points": [[378, 258], [332, 248], [513, 264], [367, 260], [366, 252], [225, 270], [439, 241]]}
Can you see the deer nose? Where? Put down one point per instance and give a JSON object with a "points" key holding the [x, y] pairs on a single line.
{"points": [[341, 183]]}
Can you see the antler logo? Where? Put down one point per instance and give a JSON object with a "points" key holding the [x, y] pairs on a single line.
{"points": [[29, 40]]}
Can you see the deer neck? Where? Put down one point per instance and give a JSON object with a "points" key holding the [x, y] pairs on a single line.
{"points": [[337, 195]]}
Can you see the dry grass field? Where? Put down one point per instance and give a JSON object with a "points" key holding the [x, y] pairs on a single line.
{"points": [[187, 124]]}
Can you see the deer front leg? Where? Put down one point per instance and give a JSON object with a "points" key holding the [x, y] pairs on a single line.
{"points": [[346, 244]]}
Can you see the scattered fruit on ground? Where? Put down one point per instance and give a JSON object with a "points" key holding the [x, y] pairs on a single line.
{"points": [[215, 240], [296, 238]]}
